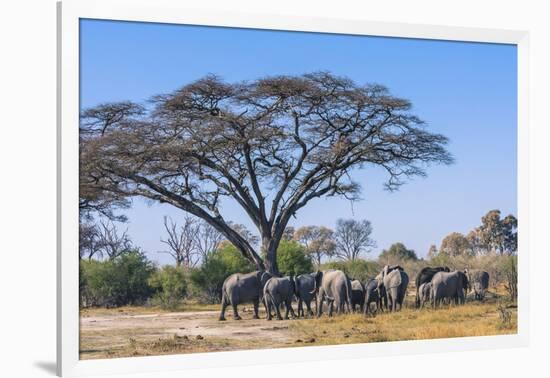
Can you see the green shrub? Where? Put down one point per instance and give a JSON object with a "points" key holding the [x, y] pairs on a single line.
{"points": [[207, 280], [170, 286], [359, 269], [117, 282], [292, 259]]}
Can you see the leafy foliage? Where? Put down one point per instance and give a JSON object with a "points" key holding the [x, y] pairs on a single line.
{"points": [[120, 281], [170, 286], [292, 259], [455, 244]]}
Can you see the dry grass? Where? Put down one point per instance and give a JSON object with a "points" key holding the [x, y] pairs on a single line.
{"points": [[472, 319]]}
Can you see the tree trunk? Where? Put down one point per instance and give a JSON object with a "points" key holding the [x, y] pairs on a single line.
{"points": [[269, 253]]}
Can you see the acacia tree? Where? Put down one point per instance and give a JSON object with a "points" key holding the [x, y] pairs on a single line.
{"points": [[272, 145]]}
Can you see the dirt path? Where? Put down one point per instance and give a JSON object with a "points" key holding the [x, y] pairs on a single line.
{"points": [[102, 333]]}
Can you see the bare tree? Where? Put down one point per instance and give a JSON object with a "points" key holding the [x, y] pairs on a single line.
{"points": [[353, 238], [271, 145], [88, 240], [112, 243], [318, 241], [182, 241], [208, 240]]}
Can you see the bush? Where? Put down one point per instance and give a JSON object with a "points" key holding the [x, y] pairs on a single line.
{"points": [[358, 269], [207, 280], [292, 259], [117, 282], [170, 285]]}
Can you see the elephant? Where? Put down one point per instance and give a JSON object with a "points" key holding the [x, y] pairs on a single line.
{"points": [[383, 298], [424, 276], [334, 286], [372, 295], [277, 291], [305, 284], [357, 295], [395, 281], [480, 283], [243, 287], [449, 285], [425, 293]]}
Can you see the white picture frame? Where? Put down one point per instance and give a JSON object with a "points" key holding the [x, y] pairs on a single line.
{"points": [[172, 11]]}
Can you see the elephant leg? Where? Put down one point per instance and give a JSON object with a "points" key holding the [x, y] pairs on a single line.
{"points": [[268, 309], [278, 310], [289, 308], [286, 311], [235, 312], [256, 304], [308, 307], [222, 313], [320, 304], [330, 304], [266, 305]]}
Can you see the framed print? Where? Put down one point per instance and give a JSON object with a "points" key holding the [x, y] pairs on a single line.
{"points": [[250, 188]]}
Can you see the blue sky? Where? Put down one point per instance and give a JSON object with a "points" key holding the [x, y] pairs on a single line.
{"points": [[466, 91]]}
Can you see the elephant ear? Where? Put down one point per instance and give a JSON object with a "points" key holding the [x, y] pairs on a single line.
{"points": [[385, 270]]}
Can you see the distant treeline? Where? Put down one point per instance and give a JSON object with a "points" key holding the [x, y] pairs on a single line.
{"points": [[132, 279]]}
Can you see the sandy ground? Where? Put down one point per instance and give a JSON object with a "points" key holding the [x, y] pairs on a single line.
{"points": [[105, 332], [204, 323]]}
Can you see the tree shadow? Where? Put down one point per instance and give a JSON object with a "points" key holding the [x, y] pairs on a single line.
{"points": [[47, 366]]}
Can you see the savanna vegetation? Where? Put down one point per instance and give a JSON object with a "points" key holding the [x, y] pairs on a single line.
{"points": [[270, 146]]}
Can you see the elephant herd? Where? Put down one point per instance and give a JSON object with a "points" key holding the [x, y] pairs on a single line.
{"points": [[436, 285], [343, 294]]}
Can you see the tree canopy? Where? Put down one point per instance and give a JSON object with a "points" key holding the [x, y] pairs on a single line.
{"points": [[455, 244], [272, 145], [397, 252]]}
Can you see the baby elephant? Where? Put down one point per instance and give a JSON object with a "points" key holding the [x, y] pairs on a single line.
{"points": [[424, 292], [279, 290], [357, 295], [372, 295]]}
